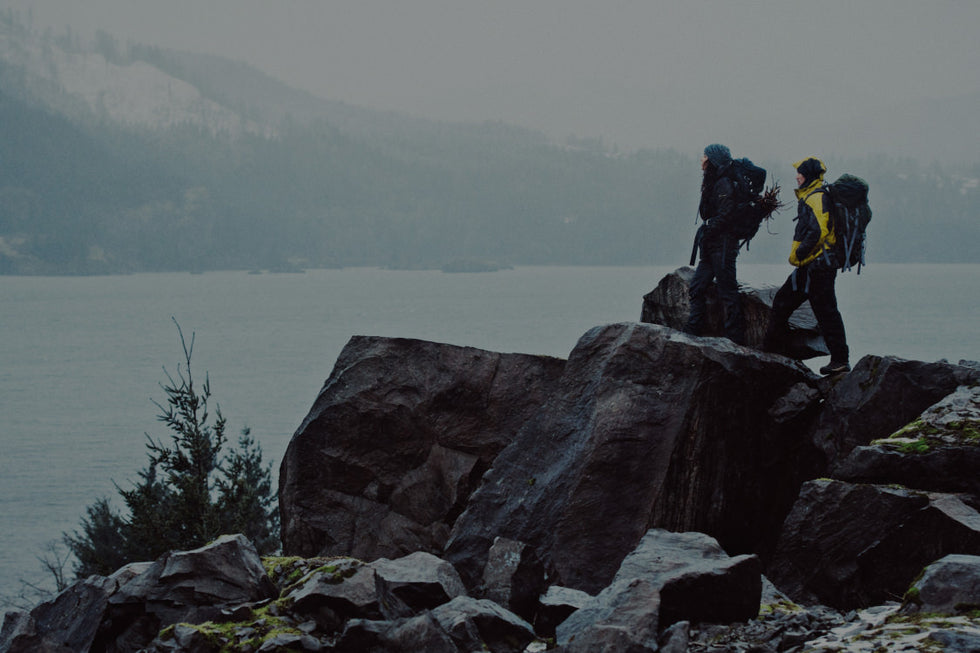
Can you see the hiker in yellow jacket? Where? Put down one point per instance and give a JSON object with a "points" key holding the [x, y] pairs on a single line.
{"points": [[816, 270]]}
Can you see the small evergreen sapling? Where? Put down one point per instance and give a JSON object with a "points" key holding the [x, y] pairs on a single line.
{"points": [[188, 495]]}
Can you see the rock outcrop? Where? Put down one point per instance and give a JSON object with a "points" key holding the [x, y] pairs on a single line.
{"points": [[895, 504], [648, 428], [193, 602], [654, 492], [125, 611], [950, 585], [669, 577], [397, 439], [881, 395], [850, 546], [668, 304], [940, 450]]}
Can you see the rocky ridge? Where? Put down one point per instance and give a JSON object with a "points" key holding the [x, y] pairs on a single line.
{"points": [[654, 491]]}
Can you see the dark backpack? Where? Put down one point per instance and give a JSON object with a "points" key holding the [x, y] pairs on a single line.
{"points": [[851, 214], [748, 180]]}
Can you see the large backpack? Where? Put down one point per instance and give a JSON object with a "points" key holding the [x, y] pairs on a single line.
{"points": [[851, 214], [748, 180]]}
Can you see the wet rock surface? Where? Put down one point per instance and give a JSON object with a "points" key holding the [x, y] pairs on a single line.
{"points": [[648, 428], [397, 439], [654, 492], [668, 304]]}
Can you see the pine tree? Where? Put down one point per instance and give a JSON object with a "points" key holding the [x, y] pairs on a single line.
{"points": [[188, 494]]}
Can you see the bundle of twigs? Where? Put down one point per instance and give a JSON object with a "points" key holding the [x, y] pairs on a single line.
{"points": [[769, 203]]}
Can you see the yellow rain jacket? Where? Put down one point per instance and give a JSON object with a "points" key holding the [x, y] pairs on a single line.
{"points": [[814, 234]]}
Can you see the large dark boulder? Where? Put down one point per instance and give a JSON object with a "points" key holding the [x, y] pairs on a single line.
{"points": [[649, 428], [697, 580], [513, 578], [624, 617], [397, 439], [938, 451], [482, 625], [419, 580], [669, 577], [555, 606], [950, 585], [125, 612], [343, 590], [69, 622], [180, 586], [853, 545], [881, 395], [668, 304], [346, 588]]}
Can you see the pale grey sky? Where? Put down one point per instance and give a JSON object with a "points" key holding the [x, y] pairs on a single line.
{"points": [[770, 78]]}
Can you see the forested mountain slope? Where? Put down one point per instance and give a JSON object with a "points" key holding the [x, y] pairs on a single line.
{"points": [[131, 158]]}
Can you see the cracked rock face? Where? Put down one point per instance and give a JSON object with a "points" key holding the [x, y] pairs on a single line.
{"points": [[398, 439], [648, 428], [854, 545]]}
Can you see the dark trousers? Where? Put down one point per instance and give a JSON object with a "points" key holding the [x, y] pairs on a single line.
{"points": [[717, 264], [818, 287]]}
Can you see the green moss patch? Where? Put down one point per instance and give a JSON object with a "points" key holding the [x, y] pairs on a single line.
{"points": [[288, 572], [239, 636], [919, 446]]}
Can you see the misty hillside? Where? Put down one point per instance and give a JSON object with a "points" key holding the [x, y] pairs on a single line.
{"points": [[131, 158]]}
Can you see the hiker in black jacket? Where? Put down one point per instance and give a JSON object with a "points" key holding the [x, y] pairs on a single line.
{"points": [[718, 247]]}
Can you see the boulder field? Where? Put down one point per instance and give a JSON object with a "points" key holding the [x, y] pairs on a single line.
{"points": [[653, 491]]}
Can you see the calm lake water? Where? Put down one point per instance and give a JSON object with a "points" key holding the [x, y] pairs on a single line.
{"points": [[81, 358]]}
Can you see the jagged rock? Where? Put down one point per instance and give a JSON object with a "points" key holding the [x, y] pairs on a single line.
{"points": [[227, 571], [668, 304], [69, 622], [125, 611], [950, 585], [923, 466], [849, 546], [186, 586], [411, 635], [675, 638], [957, 415], [649, 428], [555, 606], [397, 439], [186, 639], [513, 577], [879, 396], [938, 451], [339, 592], [668, 578], [381, 590], [477, 623], [16, 625], [623, 617], [800, 398], [698, 581], [420, 581]]}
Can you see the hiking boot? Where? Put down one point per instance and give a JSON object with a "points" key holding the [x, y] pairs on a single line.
{"points": [[835, 368]]}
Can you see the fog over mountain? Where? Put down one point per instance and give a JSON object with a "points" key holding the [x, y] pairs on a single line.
{"points": [[774, 79], [128, 155]]}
